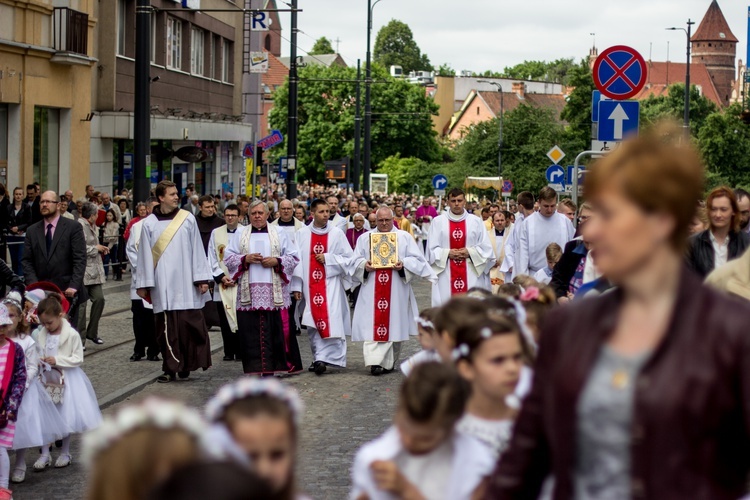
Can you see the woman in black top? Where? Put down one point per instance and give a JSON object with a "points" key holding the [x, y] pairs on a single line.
{"points": [[19, 218]]}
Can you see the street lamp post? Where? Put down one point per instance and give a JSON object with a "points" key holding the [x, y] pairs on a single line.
{"points": [[500, 127], [368, 103], [292, 105], [686, 117], [142, 108]]}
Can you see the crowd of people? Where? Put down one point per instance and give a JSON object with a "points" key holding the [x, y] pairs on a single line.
{"points": [[569, 352]]}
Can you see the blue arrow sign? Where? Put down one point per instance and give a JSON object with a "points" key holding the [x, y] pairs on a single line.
{"points": [[618, 120], [439, 181], [272, 140], [556, 174]]}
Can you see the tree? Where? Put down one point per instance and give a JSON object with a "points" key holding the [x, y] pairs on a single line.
{"points": [[401, 122], [446, 70], [322, 46], [577, 111], [672, 107], [724, 142], [395, 45]]}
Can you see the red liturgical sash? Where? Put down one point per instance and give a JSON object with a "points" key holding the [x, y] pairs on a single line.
{"points": [[382, 324], [318, 298], [457, 238]]}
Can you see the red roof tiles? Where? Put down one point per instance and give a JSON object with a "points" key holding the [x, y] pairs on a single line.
{"points": [[713, 26], [663, 74]]}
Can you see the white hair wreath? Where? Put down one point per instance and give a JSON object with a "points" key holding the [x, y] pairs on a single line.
{"points": [[248, 387]]}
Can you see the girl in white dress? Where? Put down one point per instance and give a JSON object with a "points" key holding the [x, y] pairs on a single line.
{"points": [[423, 455], [39, 420], [60, 347], [261, 416], [490, 355], [426, 336]]}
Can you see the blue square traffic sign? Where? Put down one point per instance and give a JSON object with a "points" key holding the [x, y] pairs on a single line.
{"points": [[618, 120]]}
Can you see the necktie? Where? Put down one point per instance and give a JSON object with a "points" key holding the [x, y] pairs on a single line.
{"points": [[48, 238]]}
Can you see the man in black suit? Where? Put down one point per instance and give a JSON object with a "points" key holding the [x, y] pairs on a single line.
{"points": [[32, 201], [55, 251]]}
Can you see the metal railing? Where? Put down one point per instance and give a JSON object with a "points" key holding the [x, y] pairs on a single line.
{"points": [[71, 30]]}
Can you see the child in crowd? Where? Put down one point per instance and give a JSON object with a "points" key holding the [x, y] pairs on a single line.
{"points": [[422, 455], [509, 291], [39, 421], [111, 237], [61, 354], [537, 302], [262, 417], [31, 300], [525, 281], [490, 355], [449, 318], [213, 480], [13, 383], [427, 333], [554, 254], [140, 446]]}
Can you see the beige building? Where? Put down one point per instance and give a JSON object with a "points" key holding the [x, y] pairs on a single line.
{"points": [[45, 92]]}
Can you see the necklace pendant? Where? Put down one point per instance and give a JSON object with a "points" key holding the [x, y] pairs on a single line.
{"points": [[620, 379]]}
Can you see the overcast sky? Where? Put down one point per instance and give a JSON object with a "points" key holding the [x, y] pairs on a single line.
{"points": [[479, 35]]}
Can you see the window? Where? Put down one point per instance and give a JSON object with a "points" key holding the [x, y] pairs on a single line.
{"points": [[3, 136], [174, 43], [121, 26], [197, 49], [47, 147], [226, 60], [153, 37], [212, 57], [267, 43]]}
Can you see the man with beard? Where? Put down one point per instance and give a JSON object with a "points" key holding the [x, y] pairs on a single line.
{"points": [[173, 273], [743, 201]]}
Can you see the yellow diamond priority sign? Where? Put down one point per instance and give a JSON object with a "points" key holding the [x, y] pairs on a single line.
{"points": [[556, 155]]}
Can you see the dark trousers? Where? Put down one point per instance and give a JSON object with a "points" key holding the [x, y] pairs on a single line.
{"points": [[231, 339], [15, 249], [143, 329]]}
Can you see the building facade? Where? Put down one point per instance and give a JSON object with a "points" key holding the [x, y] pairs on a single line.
{"points": [[197, 127], [46, 68]]}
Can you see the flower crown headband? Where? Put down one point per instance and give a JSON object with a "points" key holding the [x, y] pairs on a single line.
{"points": [[249, 387], [426, 324], [152, 412]]}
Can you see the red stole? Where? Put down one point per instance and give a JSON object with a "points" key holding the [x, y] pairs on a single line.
{"points": [[318, 297], [382, 316], [457, 239]]}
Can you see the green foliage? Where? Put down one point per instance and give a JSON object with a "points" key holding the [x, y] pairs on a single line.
{"points": [[672, 107], [724, 142], [395, 45], [577, 111], [401, 122], [558, 71], [446, 70], [322, 46]]}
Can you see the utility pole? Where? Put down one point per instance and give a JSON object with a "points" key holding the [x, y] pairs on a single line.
{"points": [[357, 129], [686, 117], [291, 133], [368, 103], [141, 127]]}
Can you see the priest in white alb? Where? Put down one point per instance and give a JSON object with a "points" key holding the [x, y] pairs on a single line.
{"points": [[538, 231], [173, 274], [525, 202], [459, 250], [323, 278], [386, 307], [225, 290], [261, 260]]}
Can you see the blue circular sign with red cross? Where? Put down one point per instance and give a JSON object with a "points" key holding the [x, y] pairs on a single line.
{"points": [[620, 72]]}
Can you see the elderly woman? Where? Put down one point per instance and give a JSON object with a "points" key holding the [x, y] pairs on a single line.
{"points": [[643, 392], [94, 277]]}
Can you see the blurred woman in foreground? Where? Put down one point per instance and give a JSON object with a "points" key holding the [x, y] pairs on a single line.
{"points": [[643, 392]]}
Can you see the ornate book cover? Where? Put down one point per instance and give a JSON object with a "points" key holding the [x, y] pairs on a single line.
{"points": [[383, 250]]}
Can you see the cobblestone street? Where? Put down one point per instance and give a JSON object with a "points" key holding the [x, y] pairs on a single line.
{"points": [[343, 408]]}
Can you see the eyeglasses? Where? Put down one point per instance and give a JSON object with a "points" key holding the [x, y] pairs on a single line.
{"points": [[48, 202]]}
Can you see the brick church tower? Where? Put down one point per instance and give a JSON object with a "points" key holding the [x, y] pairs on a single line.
{"points": [[715, 46]]}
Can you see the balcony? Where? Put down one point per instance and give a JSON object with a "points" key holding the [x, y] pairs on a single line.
{"points": [[70, 37]]}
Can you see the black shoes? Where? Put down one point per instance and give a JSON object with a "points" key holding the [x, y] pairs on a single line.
{"points": [[166, 378], [228, 358], [97, 341], [183, 375], [154, 358], [312, 368], [319, 368], [136, 357], [379, 370]]}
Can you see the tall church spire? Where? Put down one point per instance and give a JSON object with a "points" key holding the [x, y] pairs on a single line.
{"points": [[714, 27], [715, 46]]}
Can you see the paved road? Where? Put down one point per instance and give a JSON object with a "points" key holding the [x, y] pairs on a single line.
{"points": [[343, 408]]}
